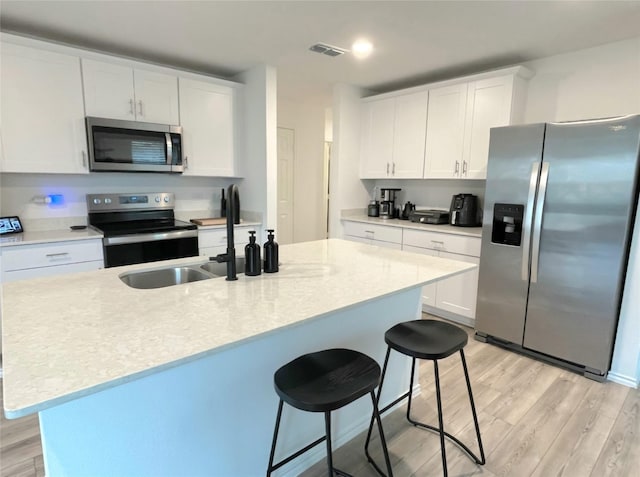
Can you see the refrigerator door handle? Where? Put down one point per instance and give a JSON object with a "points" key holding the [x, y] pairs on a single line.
{"points": [[528, 218], [537, 222]]}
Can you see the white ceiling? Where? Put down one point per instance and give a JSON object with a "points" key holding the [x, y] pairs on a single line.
{"points": [[414, 41]]}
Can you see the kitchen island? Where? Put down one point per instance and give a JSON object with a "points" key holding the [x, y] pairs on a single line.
{"points": [[179, 380]]}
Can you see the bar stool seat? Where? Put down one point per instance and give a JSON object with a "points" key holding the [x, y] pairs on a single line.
{"points": [[429, 340], [325, 381]]}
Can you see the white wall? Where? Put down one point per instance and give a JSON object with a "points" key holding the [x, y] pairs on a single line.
{"points": [[17, 193], [593, 83], [347, 191], [260, 162], [307, 119]]}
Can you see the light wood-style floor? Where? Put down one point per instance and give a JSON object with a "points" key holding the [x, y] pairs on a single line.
{"points": [[536, 420]]}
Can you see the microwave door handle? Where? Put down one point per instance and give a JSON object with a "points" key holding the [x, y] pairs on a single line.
{"points": [[537, 222], [167, 137], [528, 219]]}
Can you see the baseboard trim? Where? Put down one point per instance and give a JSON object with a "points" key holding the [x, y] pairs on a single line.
{"points": [[623, 379]]}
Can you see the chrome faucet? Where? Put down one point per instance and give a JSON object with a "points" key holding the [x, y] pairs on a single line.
{"points": [[233, 209]]}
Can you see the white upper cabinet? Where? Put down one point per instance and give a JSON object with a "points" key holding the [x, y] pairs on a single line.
{"points": [[377, 138], [409, 136], [42, 112], [121, 92], [445, 131], [459, 121], [488, 105], [207, 120], [393, 137]]}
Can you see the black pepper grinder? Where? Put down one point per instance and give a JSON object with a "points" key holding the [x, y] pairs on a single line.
{"points": [[252, 262], [270, 254]]}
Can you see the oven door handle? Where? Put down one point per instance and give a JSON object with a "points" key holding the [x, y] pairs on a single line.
{"points": [[137, 238]]}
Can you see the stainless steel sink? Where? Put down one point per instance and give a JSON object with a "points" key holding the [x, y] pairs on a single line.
{"points": [[220, 269], [163, 277]]}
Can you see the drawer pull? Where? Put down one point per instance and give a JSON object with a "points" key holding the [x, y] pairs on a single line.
{"points": [[438, 241], [369, 231], [53, 255]]}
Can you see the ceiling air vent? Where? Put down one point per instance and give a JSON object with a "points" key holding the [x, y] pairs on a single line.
{"points": [[327, 49]]}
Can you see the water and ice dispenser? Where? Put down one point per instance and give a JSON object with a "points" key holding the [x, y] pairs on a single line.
{"points": [[507, 224]]}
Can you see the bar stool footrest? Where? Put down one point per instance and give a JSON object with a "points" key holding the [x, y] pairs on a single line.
{"points": [[286, 460], [452, 438]]}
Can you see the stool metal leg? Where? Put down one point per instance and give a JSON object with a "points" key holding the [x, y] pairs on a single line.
{"points": [[441, 429], [482, 460], [327, 425], [275, 438]]}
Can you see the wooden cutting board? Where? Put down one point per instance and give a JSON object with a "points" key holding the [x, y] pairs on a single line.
{"points": [[210, 221]]}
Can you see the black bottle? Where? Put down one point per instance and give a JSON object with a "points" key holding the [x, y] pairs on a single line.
{"points": [[223, 205], [252, 262], [270, 254]]}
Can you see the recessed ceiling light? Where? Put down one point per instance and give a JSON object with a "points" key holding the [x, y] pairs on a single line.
{"points": [[361, 48]]}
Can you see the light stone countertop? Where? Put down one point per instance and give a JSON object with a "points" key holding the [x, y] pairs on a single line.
{"points": [[46, 236], [407, 224], [67, 338]]}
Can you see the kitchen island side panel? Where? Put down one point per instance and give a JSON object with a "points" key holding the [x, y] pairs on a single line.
{"points": [[214, 416]]}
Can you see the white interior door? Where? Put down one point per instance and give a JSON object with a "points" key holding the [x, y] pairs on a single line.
{"points": [[285, 185]]}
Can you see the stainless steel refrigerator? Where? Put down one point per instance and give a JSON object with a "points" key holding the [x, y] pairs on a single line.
{"points": [[560, 201]]}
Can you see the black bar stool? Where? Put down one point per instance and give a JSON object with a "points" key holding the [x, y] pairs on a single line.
{"points": [[323, 382], [431, 340]]}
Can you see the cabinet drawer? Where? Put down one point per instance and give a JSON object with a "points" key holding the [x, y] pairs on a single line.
{"points": [[373, 232], [218, 237], [442, 242], [15, 275], [51, 254]]}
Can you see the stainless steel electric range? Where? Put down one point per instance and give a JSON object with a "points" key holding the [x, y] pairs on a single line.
{"points": [[140, 228]]}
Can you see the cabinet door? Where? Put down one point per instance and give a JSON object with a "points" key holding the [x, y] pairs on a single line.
{"points": [[376, 155], [458, 294], [428, 291], [445, 132], [156, 97], [488, 106], [410, 128], [42, 112], [108, 90], [206, 116]]}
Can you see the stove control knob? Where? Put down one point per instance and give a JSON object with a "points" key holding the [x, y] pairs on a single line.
{"points": [[97, 201], [166, 198], [158, 198], [107, 201]]}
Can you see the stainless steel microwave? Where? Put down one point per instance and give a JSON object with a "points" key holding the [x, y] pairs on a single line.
{"points": [[131, 146]]}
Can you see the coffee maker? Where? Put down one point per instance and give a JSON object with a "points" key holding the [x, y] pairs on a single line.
{"points": [[388, 203]]}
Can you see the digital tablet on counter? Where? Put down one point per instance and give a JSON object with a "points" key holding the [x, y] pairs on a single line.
{"points": [[10, 225]]}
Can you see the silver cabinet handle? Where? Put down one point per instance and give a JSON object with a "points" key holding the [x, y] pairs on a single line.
{"points": [[393, 169], [369, 231], [53, 255], [140, 107], [186, 162], [131, 110], [464, 167], [537, 221], [528, 217], [84, 159], [387, 168], [457, 168]]}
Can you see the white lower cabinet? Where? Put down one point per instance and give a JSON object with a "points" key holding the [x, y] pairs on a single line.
{"points": [[381, 235], [212, 242], [22, 262], [454, 297]]}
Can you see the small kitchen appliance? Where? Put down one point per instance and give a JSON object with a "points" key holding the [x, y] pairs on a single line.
{"points": [[406, 211], [464, 210], [429, 216], [133, 146], [140, 228], [388, 203], [373, 209]]}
